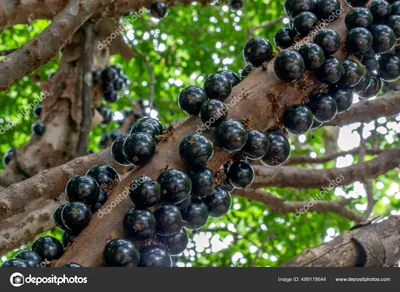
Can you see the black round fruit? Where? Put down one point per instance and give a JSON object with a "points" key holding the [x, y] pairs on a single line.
{"points": [[195, 150], [364, 83], [191, 98], [155, 122], [231, 135], [284, 38], [107, 115], [294, 7], [380, 10], [57, 216], [343, 96], [195, 215], [38, 128], [217, 86], [256, 146], [279, 150], [236, 4], [384, 38], [316, 124], [328, 40], [357, 3], [15, 263], [154, 257], [394, 23], [232, 76], [304, 22], [139, 148], [358, 17], [298, 119], [213, 112], [246, 71], [359, 40], [48, 248], [121, 252], [72, 265], [203, 181], [257, 51], [111, 96], [97, 79], [109, 75], [219, 203], [37, 111], [175, 244], [139, 224], [389, 67], [147, 127], [117, 151], [331, 71], [241, 174], [104, 174], [31, 258], [76, 216], [8, 156], [169, 220], [353, 73], [323, 106], [289, 66], [144, 192], [395, 7], [185, 203], [373, 89], [328, 9], [313, 55], [371, 64], [84, 189], [175, 185], [158, 10], [68, 238]]}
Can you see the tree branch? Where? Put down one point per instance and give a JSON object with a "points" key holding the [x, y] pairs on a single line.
{"points": [[45, 46], [5, 182], [268, 24], [7, 52], [282, 206], [374, 245]]}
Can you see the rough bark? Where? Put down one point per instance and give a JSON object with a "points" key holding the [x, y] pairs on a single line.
{"points": [[374, 245]]}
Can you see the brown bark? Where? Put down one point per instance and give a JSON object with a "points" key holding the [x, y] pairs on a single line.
{"points": [[374, 245]]}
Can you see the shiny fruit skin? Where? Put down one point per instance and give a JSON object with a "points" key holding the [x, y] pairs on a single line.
{"points": [[83, 189], [38, 128], [169, 220], [72, 265], [48, 248], [298, 119], [294, 7], [121, 252], [57, 216], [117, 151], [145, 127], [358, 17], [145, 193], [159, 10], [139, 224], [68, 238], [15, 263], [389, 67], [331, 71], [304, 22], [353, 73], [175, 186], [289, 66], [313, 55], [323, 106], [213, 112], [76, 216], [241, 174], [359, 40], [328, 8], [231, 135], [373, 89], [257, 51], [246, 71], [195, 215], [328, 40], [256, 146], [31, 258], [364, 83], [394, 23], [154, 257], [380, 10], [279, 150], [195, 150], [343, 96], [232, 77], [384, 38], [175, 244], [218, 203], [139, 148], [104, 175], [191, 98], [203, 182], [217, 86], [284, 38]]}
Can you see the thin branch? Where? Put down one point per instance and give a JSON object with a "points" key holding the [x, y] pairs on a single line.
{"points": [[266, 25], [268, 237], [282, 206], [86, 94]]}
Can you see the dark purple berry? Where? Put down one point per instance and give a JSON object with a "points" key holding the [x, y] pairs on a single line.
{"points": [[203, 181], [48, 248], [256, 146], [257, 51], [389, 67], [154, 257], [139, 224], [284, 38], [304, 22], [169, 220], [104, 175], [144, 192], [294, 7], [241, 174], [84, 189], [139, 148], [289, 66], [231, 135], [298, 119], [232, 77], [175, 244], [395, 7], [195, 215], [159, 10], [373, 89], [195, 150], [121, 252], [371, 64], [31, 258], [107, 115], [384, 38], [97, 77], [394, 23], [328, 40], [191, 98], [246, 71], [380, 10], [119, 83], [76, 216], [154, 122], [8, 156], [364, 83], [184, 204], [316, 124], [278, 151], [38, 128], [217, 86], [323, 106], [15, 263], [143, 126], [117, 151], [353, 73], [175, 185], [328, 9], [111, 96], [37, 111], [213, 112], [313, 55], [331, 71], [57, 216], [357, 3], [236, 4], [343, 96], [72, 265], [109, 75], [358, 17], [219, 203], [68, 238]]}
